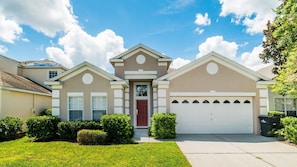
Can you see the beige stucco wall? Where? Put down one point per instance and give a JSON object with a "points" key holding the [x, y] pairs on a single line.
{"points": [[8, 67], [75, 84], [22, 105], [226, 80], [39, 75], [130, 64]]}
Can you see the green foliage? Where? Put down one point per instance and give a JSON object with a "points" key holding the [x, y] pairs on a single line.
{"points": [[91, 137], [163, 125], [289, 130], [42, 127], [118, 127], [46, 112], [10, 127], [280, 35], [276, 113], [67, 130]]}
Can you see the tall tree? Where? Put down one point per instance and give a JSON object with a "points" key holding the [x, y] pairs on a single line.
{"points": [[281, 34], [280, 46]]}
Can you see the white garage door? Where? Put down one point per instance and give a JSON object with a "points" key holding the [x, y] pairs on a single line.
{"points": [[213, 115]]}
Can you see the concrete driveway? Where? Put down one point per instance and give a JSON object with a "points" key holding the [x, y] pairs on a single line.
{"points": [[236, 151]]}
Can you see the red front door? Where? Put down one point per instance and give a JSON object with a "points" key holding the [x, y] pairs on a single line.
{"points": [[142, 112]]}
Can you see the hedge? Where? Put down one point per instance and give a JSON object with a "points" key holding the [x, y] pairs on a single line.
{"points": [[163, 125], [91, 137], [289, 130], [118, 128], [10, 127], [67, 130], [42, 127]]}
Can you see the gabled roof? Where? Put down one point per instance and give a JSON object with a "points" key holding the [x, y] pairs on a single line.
{"points": [[22, 84], [80, 68], [267, 71], [137, 48], [7, 59], [219, 59]]}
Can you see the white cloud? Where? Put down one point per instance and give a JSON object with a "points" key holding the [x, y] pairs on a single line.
{"points": [[3, 49], [202, 20], [9, 30], [254, 14], [229, 50], [179, 62], [199, 30], [78, 46], [46, 16], [219, 45]]}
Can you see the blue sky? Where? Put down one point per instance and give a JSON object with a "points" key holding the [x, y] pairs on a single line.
{"points": [[72, 31]]}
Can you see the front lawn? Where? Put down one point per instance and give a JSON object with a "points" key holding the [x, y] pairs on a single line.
{"points": [[23, 152]]}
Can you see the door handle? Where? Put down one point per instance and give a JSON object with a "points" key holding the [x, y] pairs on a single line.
{"points": [[136, 112]]}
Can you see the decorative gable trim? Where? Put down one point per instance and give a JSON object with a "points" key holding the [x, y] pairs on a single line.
{"points": [[79, 69], [213, 56], [140, 47]]}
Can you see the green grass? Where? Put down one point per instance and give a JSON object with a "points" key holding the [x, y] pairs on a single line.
{"points": [[23, 152]]}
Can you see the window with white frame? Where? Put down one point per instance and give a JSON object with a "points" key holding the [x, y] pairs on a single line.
{"points": [[99, 105], [287, 105], [52, 74], [75, 106]]}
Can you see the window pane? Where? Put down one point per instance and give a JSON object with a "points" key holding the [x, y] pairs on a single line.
{"points": [[75, 103], [75, 115], [279, 104], [52, 74], [141, 90], [97, 114]]}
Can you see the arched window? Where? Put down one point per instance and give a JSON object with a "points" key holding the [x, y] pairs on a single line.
{"points": [[195, 101], [226, 101], [216, 101], [185, 101], [246, 102], [205, 101], [237, 101], [174, 101]]}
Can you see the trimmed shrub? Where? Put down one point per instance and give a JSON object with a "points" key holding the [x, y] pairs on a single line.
{"points": [[42, 127], [163, 125], [67, 130], [118, 128], [46, 112], [289, 130], [10, 127], [91, 137]]}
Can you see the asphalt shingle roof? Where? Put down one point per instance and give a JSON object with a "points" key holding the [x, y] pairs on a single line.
{"points": [[19, 82]]}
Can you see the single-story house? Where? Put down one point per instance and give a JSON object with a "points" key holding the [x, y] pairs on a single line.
{"points": [[212, 94]]}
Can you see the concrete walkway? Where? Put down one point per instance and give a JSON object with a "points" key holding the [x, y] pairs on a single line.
{"points": [[236, 151]]}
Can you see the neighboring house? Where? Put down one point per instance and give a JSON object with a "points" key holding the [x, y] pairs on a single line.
{"points": [[22, 90], [212, 94]]}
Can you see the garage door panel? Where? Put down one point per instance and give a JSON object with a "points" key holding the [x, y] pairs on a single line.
{"points": [[219, 115]]}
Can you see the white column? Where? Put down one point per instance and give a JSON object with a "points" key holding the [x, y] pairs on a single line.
{"points": [[263, 97], [56, 103], [155, 100], [127, 101], [118, 101], [162, 96]]}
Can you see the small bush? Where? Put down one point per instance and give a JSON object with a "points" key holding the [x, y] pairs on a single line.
{"points": [[46, 112], [276, 113], [91, 137], [118, 128], [163, 125], [42, 127], [289, 130], [67, 130], [10, 127]]}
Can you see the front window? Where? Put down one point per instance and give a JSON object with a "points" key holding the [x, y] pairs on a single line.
{"points": [[287, 105], [75, 108], [99, 107], [141, 90], [52, 74]]}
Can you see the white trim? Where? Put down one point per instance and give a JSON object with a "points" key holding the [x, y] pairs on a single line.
{"points": [[55, 111], [119, 64], [140, 76], [98, 94], [160, 63], [73, 94], [148, 98], [237, 94], [55, 102], [140, 72], [56, 93], [24, 91]]}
